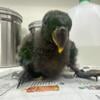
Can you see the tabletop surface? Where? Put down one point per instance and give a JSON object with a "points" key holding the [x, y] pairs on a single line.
{"points": [[70, 88]]}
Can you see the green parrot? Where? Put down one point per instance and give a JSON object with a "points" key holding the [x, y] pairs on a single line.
{"points": [[47, 52]]}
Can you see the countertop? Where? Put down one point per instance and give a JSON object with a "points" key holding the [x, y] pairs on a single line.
{"points": [[70, 88]]}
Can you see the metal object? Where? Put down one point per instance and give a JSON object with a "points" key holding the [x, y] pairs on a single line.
{"points": [[35, 26], [10, 26]]}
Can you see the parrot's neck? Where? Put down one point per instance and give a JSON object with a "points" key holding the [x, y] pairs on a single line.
{"points": [[50, 45], [47, 42]]}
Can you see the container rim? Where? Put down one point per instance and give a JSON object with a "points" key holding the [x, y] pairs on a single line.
{"points": [[35, 24], [9, 11]]}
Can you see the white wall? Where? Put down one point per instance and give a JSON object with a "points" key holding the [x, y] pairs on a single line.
{"points": [[89, 55]]}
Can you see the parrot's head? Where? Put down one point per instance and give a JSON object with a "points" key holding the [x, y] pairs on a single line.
{"points": [[55, 28]]}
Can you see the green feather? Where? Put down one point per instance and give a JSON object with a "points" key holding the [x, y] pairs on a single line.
{"points": [[26, 50]]}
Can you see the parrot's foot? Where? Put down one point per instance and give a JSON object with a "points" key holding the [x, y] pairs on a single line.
{"points": [[26, 77], [88, 74]]}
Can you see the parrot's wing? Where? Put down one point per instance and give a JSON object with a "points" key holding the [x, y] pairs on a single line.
{"points": [[72, 57], [26, 55], [26, 50]]}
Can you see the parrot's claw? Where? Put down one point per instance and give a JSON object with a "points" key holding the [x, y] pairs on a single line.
{"points": [[88, 74], [25, 77]]}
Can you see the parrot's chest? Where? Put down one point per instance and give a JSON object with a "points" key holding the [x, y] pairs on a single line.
{"points": [[49, 62], [49, 56], [45, 58]]}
